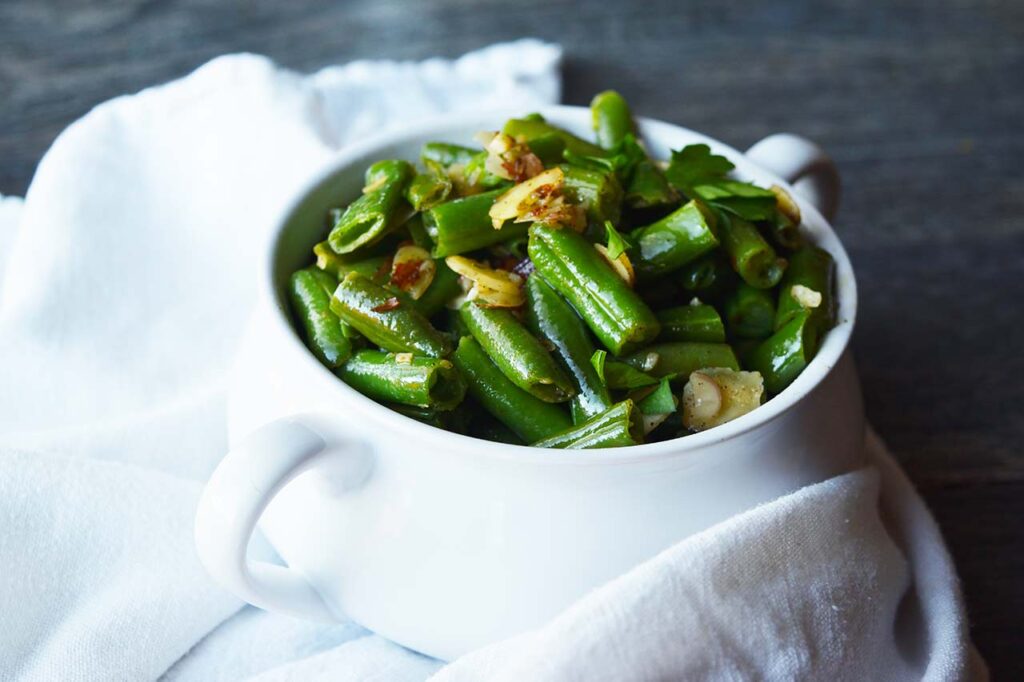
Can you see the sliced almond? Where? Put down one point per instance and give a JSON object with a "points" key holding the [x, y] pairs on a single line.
{"points": [[787, 206], [489, 286], [621, 265], [412, 270], [539, 199]]}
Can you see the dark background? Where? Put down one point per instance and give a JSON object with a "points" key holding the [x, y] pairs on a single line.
{"points": [[921, 104]]}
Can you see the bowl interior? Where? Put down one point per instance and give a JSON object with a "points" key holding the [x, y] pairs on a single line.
{"points": [[305, 225]]}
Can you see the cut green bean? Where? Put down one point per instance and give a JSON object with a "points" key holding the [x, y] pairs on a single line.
{"points": [[447, 155], [680, 358], [616, 315], [517, 353], [751, 256], [311, 304], [405, 378], [785, 233], [813, 269], [530, 129], [374, 267], [677, 239], [611, 118], [618, 426], [750, 312], [708, 276], [429, 189], [529, 417], [550, 317], [464, 225], [377, 211], [599, 193], [691, 323], [379, 315], [782, 356]]}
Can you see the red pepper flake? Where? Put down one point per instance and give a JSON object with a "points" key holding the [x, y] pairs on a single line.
{"points": [[404, 275], [387, 305]]}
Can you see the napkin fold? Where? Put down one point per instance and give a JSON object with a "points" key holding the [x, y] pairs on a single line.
{"points": [[126, 276]]}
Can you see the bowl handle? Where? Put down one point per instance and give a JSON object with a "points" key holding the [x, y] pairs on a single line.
{"points": [[804, 165], [247, 479]]}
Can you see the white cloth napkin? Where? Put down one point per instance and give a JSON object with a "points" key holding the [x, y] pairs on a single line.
{"points": [[125, 280]]}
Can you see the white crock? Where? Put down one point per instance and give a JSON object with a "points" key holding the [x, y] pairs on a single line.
{"points": [[445, 543]]}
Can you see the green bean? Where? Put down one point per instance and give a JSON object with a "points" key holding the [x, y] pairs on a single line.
{"points": [[616, 315], [529, 417], [464, 225], [548, 148], [618, 426], [456, 419], [308, 293], [709, 275], [379, 315], [416, 380], [551, 318], [677, 239], [782, 356], [680, 358], [691, 323], [611, 118], [599, 193], [751, 256], [517, 353], [447, 154], [373, 267], [530, 129], [813, 268], [785, 233], [377, 211], [750, 312], [486, 426], [430, 188]]}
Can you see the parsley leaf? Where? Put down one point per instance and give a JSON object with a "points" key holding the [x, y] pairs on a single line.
{"points": [[695, 165], [659, 401], [616, 242], [702, 175], [619, 375]]}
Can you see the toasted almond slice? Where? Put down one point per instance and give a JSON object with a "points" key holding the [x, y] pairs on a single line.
{"points": [[621, 265], [412, 270], [517, 202], [787, 206]]}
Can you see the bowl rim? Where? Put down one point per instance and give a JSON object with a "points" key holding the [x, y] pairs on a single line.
{"points": [[656, 133]]}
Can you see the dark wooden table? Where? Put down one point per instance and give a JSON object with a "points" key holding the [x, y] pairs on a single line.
{"points": [[921, 103]]}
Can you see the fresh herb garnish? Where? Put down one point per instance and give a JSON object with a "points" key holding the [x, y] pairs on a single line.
{"points": [[616, 242], [699, 174]]}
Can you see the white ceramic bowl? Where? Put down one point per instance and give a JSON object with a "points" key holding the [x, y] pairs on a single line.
{"points": [[445, 543]]}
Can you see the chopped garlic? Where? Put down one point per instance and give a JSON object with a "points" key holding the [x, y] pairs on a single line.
{"points": [[786, 205], [716, 395], [808, 298], [695, 302], [621, 265], [403, 358]]}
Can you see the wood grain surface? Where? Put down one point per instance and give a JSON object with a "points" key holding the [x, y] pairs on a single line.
{"points": [[920, 102]]}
